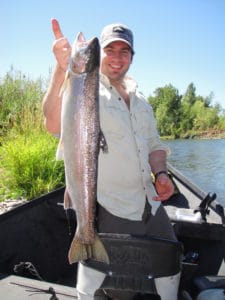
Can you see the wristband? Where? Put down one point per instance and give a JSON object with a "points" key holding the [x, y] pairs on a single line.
{"points": [[159, 173]]}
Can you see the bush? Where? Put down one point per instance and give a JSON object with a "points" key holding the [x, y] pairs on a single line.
{"points": [[20, 103], [28, 166]]}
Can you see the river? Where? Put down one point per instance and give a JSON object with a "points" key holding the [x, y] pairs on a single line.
{"points": [[201, 161]]}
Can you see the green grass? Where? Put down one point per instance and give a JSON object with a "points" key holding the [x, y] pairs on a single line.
{"points": [[28, 167]]}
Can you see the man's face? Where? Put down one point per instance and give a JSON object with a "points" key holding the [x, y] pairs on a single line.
{"points": [[115, 60]]}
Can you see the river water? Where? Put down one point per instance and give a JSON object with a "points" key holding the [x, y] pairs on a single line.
{"points": [[201, 161]]}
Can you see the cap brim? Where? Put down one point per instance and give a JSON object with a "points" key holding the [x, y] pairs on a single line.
{"points": [[109, 41]]}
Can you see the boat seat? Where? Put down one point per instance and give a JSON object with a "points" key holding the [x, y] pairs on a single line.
{"points": [[210, 287], [209, 282], [136, 260]]}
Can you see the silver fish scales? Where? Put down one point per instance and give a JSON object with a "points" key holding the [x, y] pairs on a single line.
{"points": [[79, 146]]}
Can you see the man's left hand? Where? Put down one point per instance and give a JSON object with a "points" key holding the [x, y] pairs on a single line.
{"points": [[164, 188]]}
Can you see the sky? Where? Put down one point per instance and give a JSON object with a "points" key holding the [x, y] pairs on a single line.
{"points": [[176, 42]]}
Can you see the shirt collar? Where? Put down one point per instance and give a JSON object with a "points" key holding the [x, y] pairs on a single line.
{"points": [[130, 83]]}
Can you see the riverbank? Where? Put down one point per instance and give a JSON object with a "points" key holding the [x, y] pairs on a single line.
{"points": [[207, 134], [212, 134], [7, 205]]}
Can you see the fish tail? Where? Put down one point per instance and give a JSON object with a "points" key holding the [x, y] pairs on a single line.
{"points": [[98, 250], [80, 251]]}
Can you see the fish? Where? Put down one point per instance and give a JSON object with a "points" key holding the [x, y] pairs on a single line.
{"points": [[81, 139]]}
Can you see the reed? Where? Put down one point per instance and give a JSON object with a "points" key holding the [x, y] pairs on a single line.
{"points": [[28, 167]]}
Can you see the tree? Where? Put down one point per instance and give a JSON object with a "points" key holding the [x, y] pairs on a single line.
{"points": [[187, 101], [190, 95], [166, 105], [205, 117]]}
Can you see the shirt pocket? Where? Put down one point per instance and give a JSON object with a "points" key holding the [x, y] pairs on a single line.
{"points": [[144, 123], [112, 121]]}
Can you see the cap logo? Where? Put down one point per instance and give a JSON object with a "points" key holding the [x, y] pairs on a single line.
{"points": [[118, 29]]}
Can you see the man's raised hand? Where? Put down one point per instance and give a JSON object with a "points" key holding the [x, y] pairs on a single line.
{"points": [[61, 47]]}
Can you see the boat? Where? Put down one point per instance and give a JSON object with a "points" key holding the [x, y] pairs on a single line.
{"points": [[35, 238]]}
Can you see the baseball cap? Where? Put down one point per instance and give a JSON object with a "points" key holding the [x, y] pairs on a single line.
{"points": [[116, 32]]}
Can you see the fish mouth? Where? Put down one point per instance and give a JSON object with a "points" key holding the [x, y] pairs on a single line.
{"points": [[85, 54]]}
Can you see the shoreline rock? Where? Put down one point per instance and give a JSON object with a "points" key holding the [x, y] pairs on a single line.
{"points": [[7, 205]]}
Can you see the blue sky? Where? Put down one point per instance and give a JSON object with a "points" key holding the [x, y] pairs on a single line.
{"points": [[176, 41]]}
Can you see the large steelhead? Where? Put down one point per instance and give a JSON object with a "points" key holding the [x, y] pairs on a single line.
{"points": [[79, 146]]}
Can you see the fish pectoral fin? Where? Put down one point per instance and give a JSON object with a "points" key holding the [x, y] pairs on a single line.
{"points": [[98, 251], [60, 151], [103, 144], [65, 83], [67, 200]]}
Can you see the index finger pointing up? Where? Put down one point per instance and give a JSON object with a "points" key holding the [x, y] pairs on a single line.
{"points": [[56, 29]]}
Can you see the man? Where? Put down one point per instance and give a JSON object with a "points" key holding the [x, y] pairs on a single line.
{"points": [[128, 201]]}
